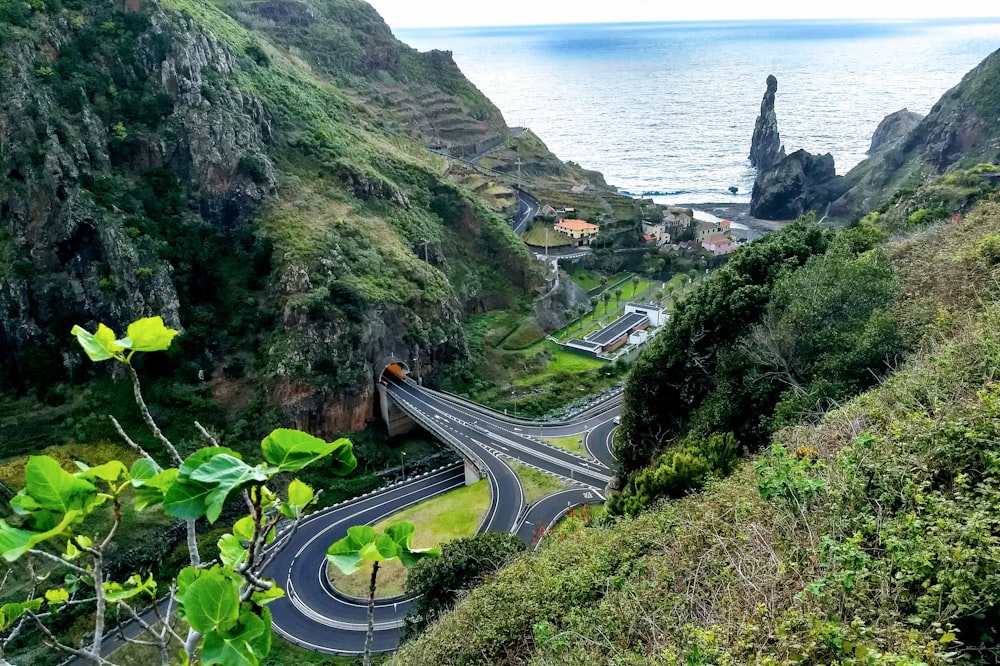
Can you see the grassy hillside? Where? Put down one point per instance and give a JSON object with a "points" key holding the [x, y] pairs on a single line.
{"points": [[869, 536], [240, 178]]}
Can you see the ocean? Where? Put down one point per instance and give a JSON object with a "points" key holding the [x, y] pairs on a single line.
{"points": [[669, 108]]}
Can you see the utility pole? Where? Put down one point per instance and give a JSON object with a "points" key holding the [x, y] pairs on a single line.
{"points": [[518, 171]]}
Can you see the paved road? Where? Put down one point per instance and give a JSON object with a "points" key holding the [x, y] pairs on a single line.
{"points": [[312, 615], [527, 208], [317, 617]]}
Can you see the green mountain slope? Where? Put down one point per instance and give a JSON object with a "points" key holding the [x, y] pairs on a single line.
{"points": [[164, 158], [961, 130], [868, 536]]}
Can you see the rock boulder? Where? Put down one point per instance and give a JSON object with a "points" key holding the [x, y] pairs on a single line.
{"points": [[795, 185]]}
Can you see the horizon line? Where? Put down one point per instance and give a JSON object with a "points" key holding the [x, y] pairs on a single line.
{"points": [[827, 20]]}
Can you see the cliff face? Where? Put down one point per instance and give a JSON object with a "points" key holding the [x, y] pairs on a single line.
{"points": [[795, 185], [164, 159], [961, 130], [765, 148], [893, 128]]}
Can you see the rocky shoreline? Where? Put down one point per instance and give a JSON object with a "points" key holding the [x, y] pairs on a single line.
{"points": [[735, 212]]}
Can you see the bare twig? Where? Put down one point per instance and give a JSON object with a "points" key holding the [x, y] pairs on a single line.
{"points": [[132, 443], [206, 434], [148, 418]]}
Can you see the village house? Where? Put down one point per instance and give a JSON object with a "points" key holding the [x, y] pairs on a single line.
{"points": [[655, 232], [548, 211], [706, 229], [675, 221], [579, 230], [718, 244]]}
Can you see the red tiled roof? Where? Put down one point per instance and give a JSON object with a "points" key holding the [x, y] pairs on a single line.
{"points": [[577, 225]]}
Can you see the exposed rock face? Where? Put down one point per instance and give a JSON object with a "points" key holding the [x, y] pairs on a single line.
{"points": [[893, 128], [77, 261], [556, 309], [797, 184], [766, 148], [961, 130]]}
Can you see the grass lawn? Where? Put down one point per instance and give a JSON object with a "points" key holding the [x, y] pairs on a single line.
{"points": [[543, 234], [585, 279], [565, 361], [572, 443], [536, 484], [438, 520]]}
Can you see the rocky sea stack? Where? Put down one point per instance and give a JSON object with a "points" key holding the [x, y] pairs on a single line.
{"points": [[766, 148]]}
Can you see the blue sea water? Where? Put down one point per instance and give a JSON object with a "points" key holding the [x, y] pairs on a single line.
{"points": [[670, 107]]}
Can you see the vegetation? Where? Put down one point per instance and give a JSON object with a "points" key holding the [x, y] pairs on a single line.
{"points": [[465, 563], [790, 325], [867, 537], [439, 520], [222, 607], [572, 443]]}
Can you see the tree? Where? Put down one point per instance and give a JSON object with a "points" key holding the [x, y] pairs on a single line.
{"points": [[222, 609], [361, 545], [604, 281], [618, 296], [464, 564], [679, 370], [635, 282], [606, 297]]}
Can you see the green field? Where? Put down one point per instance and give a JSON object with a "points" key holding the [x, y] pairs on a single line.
{"points": [[439, 520], [585, 279], [572, 443], [536, 484]]}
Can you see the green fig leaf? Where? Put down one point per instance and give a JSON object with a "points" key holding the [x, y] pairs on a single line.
{"points": [[99, 346], [291, 450], [149, 334], [12, 612], [209, 600]]}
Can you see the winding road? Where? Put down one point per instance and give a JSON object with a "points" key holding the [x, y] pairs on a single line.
{"points": [[315, 616]]}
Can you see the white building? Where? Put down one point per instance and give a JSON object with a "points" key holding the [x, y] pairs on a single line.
{"points": [[639, 337], [657, 314]]}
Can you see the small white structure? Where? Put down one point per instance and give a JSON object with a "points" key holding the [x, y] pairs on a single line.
{"points": [[657, 314], [639, 337]]}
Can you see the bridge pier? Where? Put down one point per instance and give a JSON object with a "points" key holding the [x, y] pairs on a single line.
{"points": [[471, 473], [396, 420]]}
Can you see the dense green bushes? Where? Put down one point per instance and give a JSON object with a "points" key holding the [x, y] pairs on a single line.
{"points": [[868, 539], [787, 328]]}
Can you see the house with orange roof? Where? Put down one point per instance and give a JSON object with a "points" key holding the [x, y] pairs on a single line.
{"points": [[579, 230]]}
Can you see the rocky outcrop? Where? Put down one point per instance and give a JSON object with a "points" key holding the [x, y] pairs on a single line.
{"points": [[961, 129], [893, 128], [557, 307], [765, 148], [797, 184], [77, 240]]}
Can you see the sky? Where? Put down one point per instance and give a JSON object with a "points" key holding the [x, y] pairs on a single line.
{"points": [[447, 13]]}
